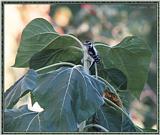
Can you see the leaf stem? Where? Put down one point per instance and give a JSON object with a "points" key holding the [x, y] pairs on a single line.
{"points": [[85, 60], [53, 65], [85, 54], [96, 70], [111, 87], [107, 83], [109, 101], [67, 35], [86, 68], [97, 126]]}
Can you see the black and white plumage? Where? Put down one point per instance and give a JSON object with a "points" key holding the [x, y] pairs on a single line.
{"points": [[92, 52]]}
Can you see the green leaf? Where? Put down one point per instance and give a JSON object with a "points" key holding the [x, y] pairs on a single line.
{"points": [[114, 120], [118, 78], [41, 43], [19, 120], [70, 97], [132, 57], [64, 48], [36, 36], [114, 76], [20, 88], [126, 98]]}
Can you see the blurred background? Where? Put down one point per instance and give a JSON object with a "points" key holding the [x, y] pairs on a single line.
{"points": [[107, 22]]}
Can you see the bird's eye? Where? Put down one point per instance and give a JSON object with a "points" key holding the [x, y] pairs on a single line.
{"points": [[90, 46], [87, 41]]}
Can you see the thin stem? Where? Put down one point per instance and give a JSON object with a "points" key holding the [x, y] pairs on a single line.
{"points": [[67, 35], [86, 68], [109, 101], [86, 63], [77, 48], [56, 64], [107, 83], [96, 70], [111, 88], [85, 54], [97, 126]]}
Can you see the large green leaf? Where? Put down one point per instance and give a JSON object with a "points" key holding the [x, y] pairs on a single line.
{"points": [[132, 57], [64, 48], [114, 120], [36, 36], [68, 97], [40, 41], [20, 88]]}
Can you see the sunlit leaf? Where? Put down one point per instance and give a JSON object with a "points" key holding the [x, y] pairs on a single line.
{"points": [[41, 43], [36, 36]]}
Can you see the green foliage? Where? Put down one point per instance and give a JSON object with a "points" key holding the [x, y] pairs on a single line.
{"points": [[119, 123], [18, 120], [132, 57], [63, 88], [37, 35], [63, 104], [58, 50]]}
